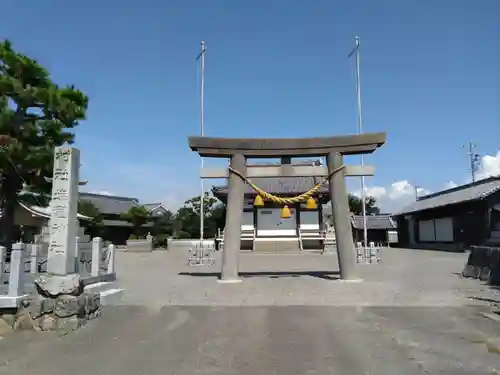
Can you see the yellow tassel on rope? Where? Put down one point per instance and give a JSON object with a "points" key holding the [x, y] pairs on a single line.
{"points": [[288, 200], [311, 204], [258, 202], [285, 213]]}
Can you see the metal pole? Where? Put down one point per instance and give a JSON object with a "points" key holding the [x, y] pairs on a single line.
{"points": [[202, 123], [473, 160], [360, 131]]}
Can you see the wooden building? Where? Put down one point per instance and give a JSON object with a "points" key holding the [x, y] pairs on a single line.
{"points": [[111, 207], [263, 228], [453, 219], [380, 229], [30, 220]]}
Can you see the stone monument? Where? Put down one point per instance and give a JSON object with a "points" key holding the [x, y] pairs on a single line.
{"points": [[60, 302]]}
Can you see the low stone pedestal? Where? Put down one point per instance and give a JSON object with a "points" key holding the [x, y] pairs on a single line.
{"points": [[139, 246], [60, 305]]}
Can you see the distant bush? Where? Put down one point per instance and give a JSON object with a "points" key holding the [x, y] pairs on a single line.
{"points": [[161, 241], [182, 234]]}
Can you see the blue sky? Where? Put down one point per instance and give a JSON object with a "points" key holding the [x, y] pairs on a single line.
{"points": [[430, 76]]}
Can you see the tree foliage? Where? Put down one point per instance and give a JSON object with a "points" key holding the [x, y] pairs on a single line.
{"points": [[356, 205], [163, 227], [187, 218], [36, 115], [137, 216], [94, 226]]}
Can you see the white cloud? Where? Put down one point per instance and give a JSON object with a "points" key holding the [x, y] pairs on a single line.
{"points": [[394, 197], [489, 166], [450, 185], [374, 191], [401, 193]]}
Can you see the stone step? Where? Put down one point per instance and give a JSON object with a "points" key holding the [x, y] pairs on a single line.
{"points": [[277, 247], [110, 292]]}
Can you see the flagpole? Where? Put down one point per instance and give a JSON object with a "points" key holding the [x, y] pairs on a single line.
{"points": [[202, 126], [360, 131]]}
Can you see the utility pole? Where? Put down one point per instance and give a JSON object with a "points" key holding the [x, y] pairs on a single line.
{"points": [[474, 159], [360, 131], [202, 126]]}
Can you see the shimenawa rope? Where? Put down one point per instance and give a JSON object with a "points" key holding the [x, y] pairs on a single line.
{"points": [[291, 200]]}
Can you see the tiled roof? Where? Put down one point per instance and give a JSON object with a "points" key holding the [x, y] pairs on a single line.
{"points": [[464, 193], [279, 185], [108, 204], [45, 211], [373, 222]]}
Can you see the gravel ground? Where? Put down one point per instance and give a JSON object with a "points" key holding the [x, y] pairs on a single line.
{"points": [[404, 278], [412, 315]]}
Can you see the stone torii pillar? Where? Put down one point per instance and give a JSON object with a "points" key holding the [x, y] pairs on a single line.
{"points": [[340, 209], [234, 216], [238, 150]]}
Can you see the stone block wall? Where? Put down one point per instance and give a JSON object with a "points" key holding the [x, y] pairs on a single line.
{"points": [[60, 305]]}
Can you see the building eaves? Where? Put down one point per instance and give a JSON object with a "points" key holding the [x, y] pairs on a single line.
{"points": [[45, 212], [373, 222], [109, 204], [460, 194]]}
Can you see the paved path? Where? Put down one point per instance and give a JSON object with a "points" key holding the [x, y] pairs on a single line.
{"points": [[264, 340], [411, 315]]}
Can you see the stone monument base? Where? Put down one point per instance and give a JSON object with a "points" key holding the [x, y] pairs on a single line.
{"points": [[60, 304]]}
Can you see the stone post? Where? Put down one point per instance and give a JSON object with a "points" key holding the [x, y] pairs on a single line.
{"points": [[111, 259], [234, 216], [2, 261], [96, 256], [78, 263], [16, 270], [35, 253], [340, 209], [63, 230]]}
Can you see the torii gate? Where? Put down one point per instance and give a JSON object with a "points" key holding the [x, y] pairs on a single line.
{"points": [[334, 148]]}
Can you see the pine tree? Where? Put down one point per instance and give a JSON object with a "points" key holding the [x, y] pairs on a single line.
{"points": [[36, 115]]}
